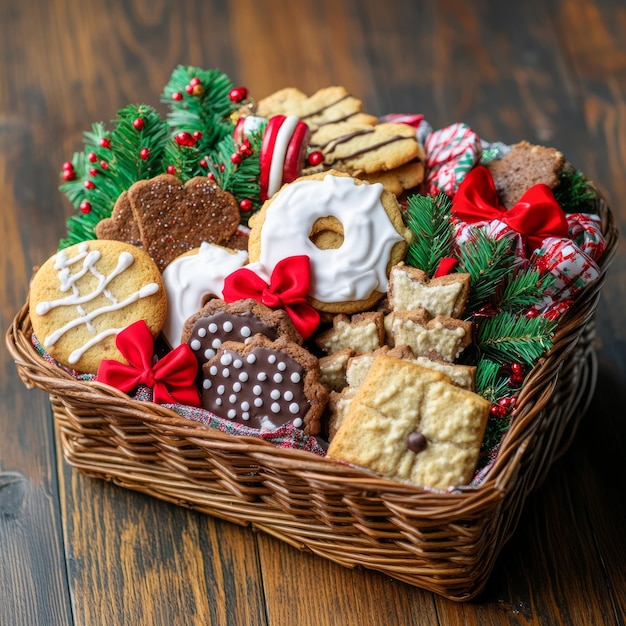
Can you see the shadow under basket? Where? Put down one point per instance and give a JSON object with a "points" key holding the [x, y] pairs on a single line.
{"points": [[443, 542]]}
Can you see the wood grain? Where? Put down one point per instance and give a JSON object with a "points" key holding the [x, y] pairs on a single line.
{"points": [[75, 550]]}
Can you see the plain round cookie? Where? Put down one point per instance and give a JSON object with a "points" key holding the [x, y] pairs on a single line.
{"points": [[313, 225], [84, 295]]}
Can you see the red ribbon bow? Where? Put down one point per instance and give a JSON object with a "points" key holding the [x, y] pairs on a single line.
{"points": [[536, 215], [289, 284], [172, 378]]}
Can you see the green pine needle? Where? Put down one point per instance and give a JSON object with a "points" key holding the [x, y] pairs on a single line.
{"points": [[575, 193], [208, 112], [242, 179], [489, 262], [524, 289], [428, 218], [506, 338]]}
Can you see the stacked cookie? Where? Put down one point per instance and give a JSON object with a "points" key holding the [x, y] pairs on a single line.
{"points": [[312, 318]]}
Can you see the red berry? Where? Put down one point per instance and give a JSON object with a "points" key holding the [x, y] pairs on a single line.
{"points": [[197, 135], [245, 150], [92, 157], [104, 165], [194, 81], [93, 171], [497, 411], [245, 204], [237, 94], [144, 153], [517, 368], [105, 142], [532, 313], [138, 123], [185, 139], [211, 176], [203, 163], [177, 96], [236, 158], [68, 165], [89, 184], [85, 207], [69, 175], [315, 158], [189, 89], [170, 169]]}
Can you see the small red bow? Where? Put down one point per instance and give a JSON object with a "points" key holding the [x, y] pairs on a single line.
{"points": [[536, 215], [289, 284], [172, 378]]}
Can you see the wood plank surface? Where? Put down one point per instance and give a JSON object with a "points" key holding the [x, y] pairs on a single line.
{"points": [[78, 550]]}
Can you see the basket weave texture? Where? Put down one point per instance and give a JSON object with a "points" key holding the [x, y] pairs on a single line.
{"points": [[443, 542]]}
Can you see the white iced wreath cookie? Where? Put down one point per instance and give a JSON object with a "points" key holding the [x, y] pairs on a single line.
{"points": [[352, 232]]}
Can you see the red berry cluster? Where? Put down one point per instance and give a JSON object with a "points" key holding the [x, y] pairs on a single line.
{"points": [[68, 171], [188, 139], [194, 88], [503, 407]]}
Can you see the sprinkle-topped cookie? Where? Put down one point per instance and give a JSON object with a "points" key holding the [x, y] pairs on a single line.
{"points": [[265, 385]]}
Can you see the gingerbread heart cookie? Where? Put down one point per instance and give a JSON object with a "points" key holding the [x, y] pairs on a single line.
{"points": [[172, 218]]}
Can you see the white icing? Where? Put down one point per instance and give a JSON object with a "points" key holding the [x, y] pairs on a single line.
{"points": [[63, 263], [354, 270], [283, 136], [190, 279]]}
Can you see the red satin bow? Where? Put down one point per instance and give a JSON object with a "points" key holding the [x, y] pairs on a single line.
{"points": [[172, 378], [536, 215], [289, 284]]}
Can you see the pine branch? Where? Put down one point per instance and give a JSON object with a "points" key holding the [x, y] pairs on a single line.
{"points": [[111, 163], [184, 159], [241, 179], [428, 218], [206, 110], [575, 193], [506, 338], [488, 261], [525, 289]]}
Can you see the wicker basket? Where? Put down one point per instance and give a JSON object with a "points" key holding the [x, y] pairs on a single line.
{"points": [[446, 543]]}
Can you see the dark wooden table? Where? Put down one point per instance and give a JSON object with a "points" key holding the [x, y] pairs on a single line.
{"points": [[75, 550]]}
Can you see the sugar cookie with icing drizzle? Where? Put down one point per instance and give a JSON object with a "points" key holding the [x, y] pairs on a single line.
{"points": [[85, 294], [352, 232]]}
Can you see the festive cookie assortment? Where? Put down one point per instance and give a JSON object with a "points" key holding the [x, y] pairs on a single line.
{"points": [[275, 259], [373, 296]]}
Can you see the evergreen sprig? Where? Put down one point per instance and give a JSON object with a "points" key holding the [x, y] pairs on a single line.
{"points": [[508, 337], [524, 289], [428, 218], [241, 179], [207, 111], [489, 262], [575, 193], [110, 164]]}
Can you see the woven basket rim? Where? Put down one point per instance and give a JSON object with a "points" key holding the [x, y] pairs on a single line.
{"points": [[37, 372]]}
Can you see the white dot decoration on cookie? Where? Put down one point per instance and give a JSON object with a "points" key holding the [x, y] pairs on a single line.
{"points": [[267, 392], [359, 266], [216, 324]]}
